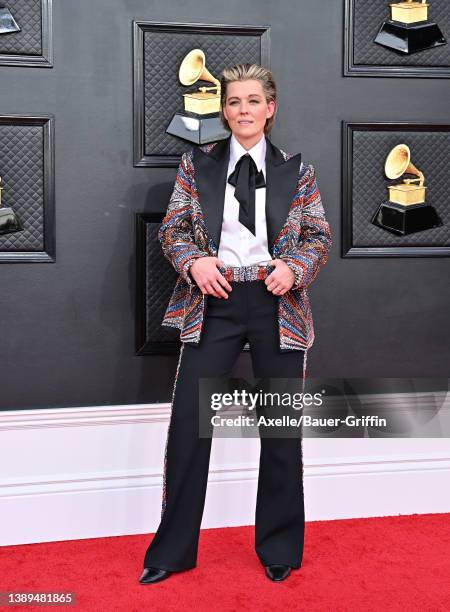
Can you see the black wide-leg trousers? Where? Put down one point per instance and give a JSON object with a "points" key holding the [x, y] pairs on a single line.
{"points": [[249, 314]]}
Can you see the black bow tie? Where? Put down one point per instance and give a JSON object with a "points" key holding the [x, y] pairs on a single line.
{"points": [[246, 178]]}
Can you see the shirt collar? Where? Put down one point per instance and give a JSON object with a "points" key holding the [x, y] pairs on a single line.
{"points": [[258, 152]]}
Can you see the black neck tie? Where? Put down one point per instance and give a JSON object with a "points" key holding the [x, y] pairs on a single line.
{"points": [[246, 178]]}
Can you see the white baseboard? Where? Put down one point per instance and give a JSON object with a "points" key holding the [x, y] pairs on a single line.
{"points": [[75, 473]]}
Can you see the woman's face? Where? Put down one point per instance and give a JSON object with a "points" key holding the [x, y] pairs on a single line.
{"points": [[246, 110]]}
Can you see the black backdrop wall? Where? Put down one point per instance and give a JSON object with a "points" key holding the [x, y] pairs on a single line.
{"points": [[67, 329]]}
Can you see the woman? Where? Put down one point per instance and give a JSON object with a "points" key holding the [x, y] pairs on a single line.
{"points": [[246, 231]]}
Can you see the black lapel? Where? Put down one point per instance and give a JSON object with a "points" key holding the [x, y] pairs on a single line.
{"points": [[210, 177], [281, 186], [211, 174]]}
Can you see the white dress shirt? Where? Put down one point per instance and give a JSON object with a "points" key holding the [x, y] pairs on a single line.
{"points": [[238, 246]]}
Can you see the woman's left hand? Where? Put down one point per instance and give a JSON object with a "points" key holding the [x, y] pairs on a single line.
{"points": [[281, 279]]}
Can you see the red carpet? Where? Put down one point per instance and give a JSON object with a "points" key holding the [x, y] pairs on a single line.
{"points": [[380, 564]]}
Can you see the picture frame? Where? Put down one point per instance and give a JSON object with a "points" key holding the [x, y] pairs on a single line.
{"points": [[158, 48], [365, 58], [32, 47], [27, 167], [155, 280], [364, 187]]}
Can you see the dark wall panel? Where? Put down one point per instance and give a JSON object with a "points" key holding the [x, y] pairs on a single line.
{"points": [[67, 329]]}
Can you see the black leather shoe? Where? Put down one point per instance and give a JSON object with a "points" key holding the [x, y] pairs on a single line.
{"points": [[153, 574], [277, 572]]}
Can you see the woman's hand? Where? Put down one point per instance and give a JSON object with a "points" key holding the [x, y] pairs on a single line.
{"points": [[205, 273], [281, 279]]}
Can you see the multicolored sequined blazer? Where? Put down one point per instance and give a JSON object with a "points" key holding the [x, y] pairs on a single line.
{"points": [[297, 233]]}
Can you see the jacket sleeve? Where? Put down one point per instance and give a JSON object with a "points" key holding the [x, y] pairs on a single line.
{"points": [[176, 233], [314, 237]]}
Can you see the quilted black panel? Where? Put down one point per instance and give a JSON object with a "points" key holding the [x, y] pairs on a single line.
{"points": [[160, 281], [430, 153], [163, 53], [368, 17], [28, 41], [22, 171]]}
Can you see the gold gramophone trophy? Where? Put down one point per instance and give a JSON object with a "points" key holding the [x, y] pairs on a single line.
{"points": [[200, 121], [7, 22], [406, 211], [409, 30]]}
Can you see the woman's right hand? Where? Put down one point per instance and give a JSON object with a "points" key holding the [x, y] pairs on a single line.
{"points": [[211, 282]]}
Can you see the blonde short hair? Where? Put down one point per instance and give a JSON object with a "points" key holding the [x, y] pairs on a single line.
{"points": [[247, 72]]}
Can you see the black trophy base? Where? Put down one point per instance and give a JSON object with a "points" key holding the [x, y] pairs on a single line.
{"points": [[199, 129], [402, 220], [408, 38]]}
